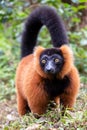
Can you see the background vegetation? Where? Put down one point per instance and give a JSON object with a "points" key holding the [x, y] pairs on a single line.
{"points": [[13, 13]]}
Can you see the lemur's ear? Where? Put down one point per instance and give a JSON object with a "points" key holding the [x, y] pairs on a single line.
{"points": [[38, 50], [68, 60]]}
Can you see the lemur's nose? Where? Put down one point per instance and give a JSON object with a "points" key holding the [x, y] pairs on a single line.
{"points": [[50, 70]]}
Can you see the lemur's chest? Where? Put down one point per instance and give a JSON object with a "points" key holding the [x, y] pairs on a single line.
{"points": [[56, 87]]}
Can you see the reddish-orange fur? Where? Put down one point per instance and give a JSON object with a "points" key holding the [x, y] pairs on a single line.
{"points": [[29, 83]]}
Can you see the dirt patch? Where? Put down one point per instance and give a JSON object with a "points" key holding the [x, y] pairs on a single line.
{"points": [[8, 112]]}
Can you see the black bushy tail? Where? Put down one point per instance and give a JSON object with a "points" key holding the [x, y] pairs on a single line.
{"points": [[43, 16]]}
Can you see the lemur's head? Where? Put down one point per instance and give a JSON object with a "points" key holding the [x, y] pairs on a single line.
{"points": [[53, 61]]}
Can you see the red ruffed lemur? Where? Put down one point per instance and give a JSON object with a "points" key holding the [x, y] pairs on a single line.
{"points": [[45, 74]]}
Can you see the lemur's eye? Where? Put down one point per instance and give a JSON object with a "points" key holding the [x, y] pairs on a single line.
{"points": [[43, 61], [56, 60]]}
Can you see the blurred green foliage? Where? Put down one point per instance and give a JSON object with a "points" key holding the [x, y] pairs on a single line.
{"points": [[12, 16]]}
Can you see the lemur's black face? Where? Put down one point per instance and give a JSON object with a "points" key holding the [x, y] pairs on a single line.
{"points": [[51, 61]]}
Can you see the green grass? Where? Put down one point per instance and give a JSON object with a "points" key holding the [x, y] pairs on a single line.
{"points": [[51, 120]]}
